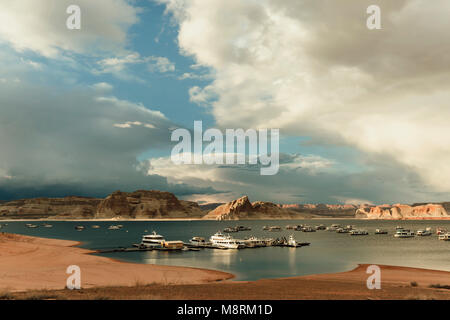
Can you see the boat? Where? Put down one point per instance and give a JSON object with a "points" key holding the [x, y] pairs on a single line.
{"points": [[243, 228], [424, 233], [265, 228], [47, 225], [399, 228], [275, 228], [173, 245], [404, 233], [308, 229], [356, 232], [292, 242], [254, 242], [114, 228], [152, 240], [440, 231], [95, 226], [333, 227], [320, 227], [230, 230], [342, 230], [445, 236], [79, 228], [380, 231], [290, 227], [198, 241], [30, 225], [225, 241]]}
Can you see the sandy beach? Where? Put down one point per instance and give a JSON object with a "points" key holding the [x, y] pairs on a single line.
{"points": [[35, 267], [30, 263]]}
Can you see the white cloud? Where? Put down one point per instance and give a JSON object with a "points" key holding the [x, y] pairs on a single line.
{"points": [[102, 86], [313, 68], [160, 64], [40, 26]]}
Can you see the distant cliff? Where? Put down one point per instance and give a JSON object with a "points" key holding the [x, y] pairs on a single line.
{"points": [[403, 211], [324, 210], [141, 204], [242, 208]]}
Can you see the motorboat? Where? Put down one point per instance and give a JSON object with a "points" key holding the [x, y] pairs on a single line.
{"points": [[308, 229], [424, 233], [404, 233], [153, 240], [226, 241], [292, 242], [445, 236], [198, 241], [381, 231], [356, 232]]}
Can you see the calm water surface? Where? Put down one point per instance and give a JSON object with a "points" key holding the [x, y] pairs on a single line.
{"points": [[328, 252]]}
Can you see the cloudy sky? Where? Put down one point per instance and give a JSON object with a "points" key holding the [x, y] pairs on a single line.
{"points": [[363, 114]]}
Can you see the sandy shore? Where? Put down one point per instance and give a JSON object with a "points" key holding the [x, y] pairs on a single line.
{"points": [[30, 263], [37, 266]]}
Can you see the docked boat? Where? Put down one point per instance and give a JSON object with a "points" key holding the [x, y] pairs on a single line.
{"points": [[265, 228], [356, 232], [79, 228], [173, 245], [333, 227], [152, 240], [225, 241], [30, 225], [243, 228], [342, 230], [275, 228], [308, 229], [403, 233], [320, 227], [292, 242], [114, 227], [380, 231], [254, 242], [445, 236], [424, 233], [399, 228], [198, 241]]}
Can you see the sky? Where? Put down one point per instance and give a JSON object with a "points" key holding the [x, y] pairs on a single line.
{"points": [[363, 114]]}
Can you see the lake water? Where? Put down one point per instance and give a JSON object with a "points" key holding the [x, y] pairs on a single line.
{"points": [[328, 252]]}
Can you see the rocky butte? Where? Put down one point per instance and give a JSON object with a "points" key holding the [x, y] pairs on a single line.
{"points": [[141, 204], [242, 208]]}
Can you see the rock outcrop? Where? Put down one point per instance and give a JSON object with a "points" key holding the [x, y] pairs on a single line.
{"points": [[143, 204], [139, 204], [403, 211], [242, 208], [80, 207]]}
